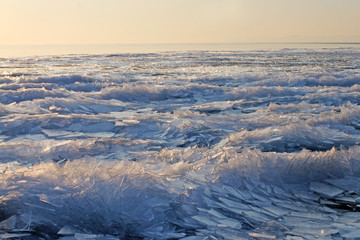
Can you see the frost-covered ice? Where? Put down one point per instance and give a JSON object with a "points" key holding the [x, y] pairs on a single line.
{"points": [[181, 145]]}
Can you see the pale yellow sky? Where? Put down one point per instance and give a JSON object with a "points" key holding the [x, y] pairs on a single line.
{"points": [[177, 21]]}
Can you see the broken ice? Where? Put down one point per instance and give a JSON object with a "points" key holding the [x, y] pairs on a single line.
{"points": [[181, 145]]}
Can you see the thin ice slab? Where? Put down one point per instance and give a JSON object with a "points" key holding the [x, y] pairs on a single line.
{"points": [[351, 184], [352, 235], [14, 235], [325, 190]]}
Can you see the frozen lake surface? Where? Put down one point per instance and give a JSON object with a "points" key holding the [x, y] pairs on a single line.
{"points": [[255, 144]]}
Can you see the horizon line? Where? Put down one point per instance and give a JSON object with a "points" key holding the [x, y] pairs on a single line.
{"points": [[174, 43]]}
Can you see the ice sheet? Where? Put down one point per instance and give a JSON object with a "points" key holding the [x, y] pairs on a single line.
{"points": [[171, 145]]}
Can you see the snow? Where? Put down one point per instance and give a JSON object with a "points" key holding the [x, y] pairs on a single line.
{"points": [[181, 145]]}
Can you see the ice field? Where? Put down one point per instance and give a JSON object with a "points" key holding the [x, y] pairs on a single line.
{"points": [[255, 144]]}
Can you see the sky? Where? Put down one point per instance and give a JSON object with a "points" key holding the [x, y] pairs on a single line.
{"points": [[177, 21]]}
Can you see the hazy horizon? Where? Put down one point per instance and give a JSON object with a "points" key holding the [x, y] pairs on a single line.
{"points": [[160, 21]]}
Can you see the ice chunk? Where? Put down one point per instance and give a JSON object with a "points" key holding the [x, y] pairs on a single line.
{"points": [[329, 210], [83, 236], [293, 206], [205, 219], [262, 236], [256, 216], [189, 209], [349, 183], [55, 133], [67, 238], [210, 202], [67, 230], [352, 235], [276, 210], [130, 121], [298, 222], [349, 217], [229, 234], [315, 231], [325, 189], [124, 114], [213, 107], [328, 202], [99, 127], [222, 143], [213, 212], [236, 193], [259, 197], [343, 228], [307, 196], [100, 134], [289, 237], [193, 238], [229, 222], [348, 200], [9, 223], [14, 235], [310, 215], [233, 204], [28, 138], [171, 235]]}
